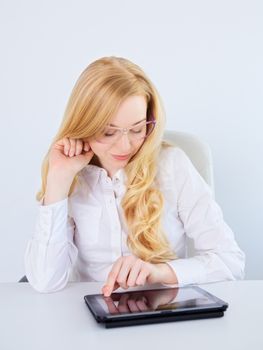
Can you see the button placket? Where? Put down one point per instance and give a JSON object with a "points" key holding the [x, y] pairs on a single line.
{"points": [[46, 222], [115, 229], [109, 189]]}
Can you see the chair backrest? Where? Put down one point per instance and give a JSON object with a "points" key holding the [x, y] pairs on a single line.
{"points": [[197, 150], [200, 155]]}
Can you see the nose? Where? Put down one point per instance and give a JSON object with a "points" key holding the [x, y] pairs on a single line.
{"points": [[124, 144]]}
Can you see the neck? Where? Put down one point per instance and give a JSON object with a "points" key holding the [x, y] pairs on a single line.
{"points": [[95, 161]]}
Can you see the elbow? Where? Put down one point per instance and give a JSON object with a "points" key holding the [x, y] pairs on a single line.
{"points": [[236, 266], [46, 271], [45, 279], [239, 271], [227, 266], [44, 284]]}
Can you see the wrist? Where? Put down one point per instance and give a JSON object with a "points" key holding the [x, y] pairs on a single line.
{"points": [[59, 177], [166, 274]]}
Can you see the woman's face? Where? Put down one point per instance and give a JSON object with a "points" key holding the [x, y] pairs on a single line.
{"points": [[131, 111]]}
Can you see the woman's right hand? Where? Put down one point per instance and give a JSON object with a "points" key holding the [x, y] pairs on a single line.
{"points": [[68, 156]]}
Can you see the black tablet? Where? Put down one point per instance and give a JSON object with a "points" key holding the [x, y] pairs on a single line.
{"points": [[154, 306]]}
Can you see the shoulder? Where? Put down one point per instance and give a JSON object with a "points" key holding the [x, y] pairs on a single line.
{"points": [[171, 166], [176, 170], [172, 158]]}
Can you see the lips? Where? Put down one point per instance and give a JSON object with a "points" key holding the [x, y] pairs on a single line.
{"points": [[121, 157]]}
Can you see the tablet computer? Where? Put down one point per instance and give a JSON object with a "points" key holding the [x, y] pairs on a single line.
{"points": [[154, 306]]}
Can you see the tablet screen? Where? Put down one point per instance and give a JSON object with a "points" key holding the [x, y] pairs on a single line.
{"points": [[152, 301]]}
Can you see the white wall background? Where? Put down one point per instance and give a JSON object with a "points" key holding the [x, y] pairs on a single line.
{"points": [[205, 57]]}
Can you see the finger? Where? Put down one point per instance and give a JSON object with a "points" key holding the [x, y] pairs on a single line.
{"points": [[79, 147], [59, 145], [116, 286], [105, 287], [63, 145], [132, 305], [66, 145], [60, 142], [134, 272], [72, 147], [111, 306], [112, 277], [124, 272], [141, 279], [86, 146], [123, 303], [142, 304]]}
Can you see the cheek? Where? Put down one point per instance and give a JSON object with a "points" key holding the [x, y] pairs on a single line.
{"points": [[97, 148]]}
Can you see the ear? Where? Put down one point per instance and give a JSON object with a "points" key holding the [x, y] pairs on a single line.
{"points": [[90, 145]]}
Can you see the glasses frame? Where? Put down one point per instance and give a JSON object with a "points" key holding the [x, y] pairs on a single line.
{"points": [[125, 131]]}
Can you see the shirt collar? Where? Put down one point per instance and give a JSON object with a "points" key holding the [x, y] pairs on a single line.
{"points": [[120, 175], [94, 172]]}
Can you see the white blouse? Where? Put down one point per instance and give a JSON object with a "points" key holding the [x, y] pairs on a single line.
{"points": [[79, 238]]}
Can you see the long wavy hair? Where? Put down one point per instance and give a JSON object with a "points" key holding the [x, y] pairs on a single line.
{"points": [[95, 98]]}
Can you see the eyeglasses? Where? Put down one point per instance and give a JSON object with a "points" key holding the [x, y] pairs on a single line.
{"points": [[135, 133]]}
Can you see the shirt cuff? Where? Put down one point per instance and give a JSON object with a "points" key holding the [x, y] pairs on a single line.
{"points": [[188, 271], [52, 222]]}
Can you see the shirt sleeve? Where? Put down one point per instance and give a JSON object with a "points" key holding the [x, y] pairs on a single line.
{"points": [[51, 253], [217, 255]]}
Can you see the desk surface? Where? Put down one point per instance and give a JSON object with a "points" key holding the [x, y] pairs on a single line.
{"points": [[61, 320]]}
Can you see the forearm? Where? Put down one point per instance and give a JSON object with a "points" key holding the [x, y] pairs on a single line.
{"points": [[50, 252], [57, 188], [48, 266]]}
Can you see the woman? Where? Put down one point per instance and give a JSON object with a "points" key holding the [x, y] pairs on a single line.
{"points": [[116, 202]]}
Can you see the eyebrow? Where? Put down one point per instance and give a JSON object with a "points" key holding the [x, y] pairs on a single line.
{"points": [[132, 124]]}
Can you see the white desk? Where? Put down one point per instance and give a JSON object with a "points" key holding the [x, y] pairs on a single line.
{"points": [[61, 320]]}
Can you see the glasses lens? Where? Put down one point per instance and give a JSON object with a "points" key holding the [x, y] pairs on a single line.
{"points": [[109, 135], [139, 132], [142, 131]]}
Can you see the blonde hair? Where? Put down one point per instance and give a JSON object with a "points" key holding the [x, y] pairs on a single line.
{"points": [[96, 96]]}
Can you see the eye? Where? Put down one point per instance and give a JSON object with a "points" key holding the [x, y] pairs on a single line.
{"points": [[109, 133], [136, 131], [139, 129]]}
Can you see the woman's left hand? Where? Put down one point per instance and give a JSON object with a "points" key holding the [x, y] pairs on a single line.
{"points": [[130, 271]]}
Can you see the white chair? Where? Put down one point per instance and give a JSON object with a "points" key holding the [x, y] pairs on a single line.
{"points": [[197, 150], [200, 155]]}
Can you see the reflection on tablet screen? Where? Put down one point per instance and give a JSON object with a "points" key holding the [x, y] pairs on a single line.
{"points": [[150, 300]]}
